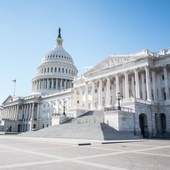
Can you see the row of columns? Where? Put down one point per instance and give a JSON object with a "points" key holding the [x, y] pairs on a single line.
{"points": [[136, 87], [10, 112], [16, 112], [57, 84]]}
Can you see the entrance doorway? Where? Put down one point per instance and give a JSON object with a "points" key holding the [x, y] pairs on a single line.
{"points": [[19, 128], [143, 125], [163, 122]]}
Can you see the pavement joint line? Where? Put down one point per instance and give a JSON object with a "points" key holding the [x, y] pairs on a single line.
{"points": [[156, 154], [94, 147], [59, 160], [98, 165], [29, 164], [48, 148], [36, 153], [121, 152]]}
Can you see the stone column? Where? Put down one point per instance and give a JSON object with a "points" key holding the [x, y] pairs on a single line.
{"points": [[57, 84], [65, 84], [108, 93], [137, 83], [117, 84], [143, 87], [133, 86], [39, 82], [61, 87], [100, 95], [148, 84], [52, 83], [154, 86], [17, 113], [48, 84], [86, 95], [166, 83], [32, 112], [92, 93], [126, 85], [25, 111]]}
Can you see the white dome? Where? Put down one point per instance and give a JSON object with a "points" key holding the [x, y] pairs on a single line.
{"points": [[58, 54], [56, 70]]}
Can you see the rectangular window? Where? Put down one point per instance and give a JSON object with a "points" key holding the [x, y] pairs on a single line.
{"points": [[162, 77]]}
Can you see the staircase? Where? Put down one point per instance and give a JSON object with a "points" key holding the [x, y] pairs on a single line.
{"points": [[88, 126]]}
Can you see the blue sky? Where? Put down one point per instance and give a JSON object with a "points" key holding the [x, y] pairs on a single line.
{"points": [[91, 29]]}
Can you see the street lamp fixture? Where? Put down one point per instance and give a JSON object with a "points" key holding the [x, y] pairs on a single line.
{"points": [[119, 97], [64, 108]]}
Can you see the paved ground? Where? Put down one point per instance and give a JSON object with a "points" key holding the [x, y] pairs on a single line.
{"points": [[22, 153]]}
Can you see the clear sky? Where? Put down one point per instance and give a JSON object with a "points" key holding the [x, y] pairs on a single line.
{"points": [[91, 29]]}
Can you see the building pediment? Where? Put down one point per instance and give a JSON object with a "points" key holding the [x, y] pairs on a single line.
{"points": [[10, 99], [115, 60]]}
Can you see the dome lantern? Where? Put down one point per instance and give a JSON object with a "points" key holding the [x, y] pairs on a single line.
{"points": [[59, 40]]}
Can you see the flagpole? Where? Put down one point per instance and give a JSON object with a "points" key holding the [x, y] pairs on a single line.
{"points": [[14, 87], [14, 81]]}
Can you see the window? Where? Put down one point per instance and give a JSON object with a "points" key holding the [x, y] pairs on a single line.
{"points": [[66, 71], [95, 90], [51, 69], [59, 70], [55, 69], [62, 70], [162, 77], [45, 70], [48, 70]]}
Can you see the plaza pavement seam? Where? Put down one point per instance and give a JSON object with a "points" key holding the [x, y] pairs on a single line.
{"points": [[97, 165], [60, 159], [29, 164], [156, 154], [121, 152]]}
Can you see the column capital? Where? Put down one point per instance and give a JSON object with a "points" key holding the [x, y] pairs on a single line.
{"points": [[147, 67], [126, 72], [136, 69]]}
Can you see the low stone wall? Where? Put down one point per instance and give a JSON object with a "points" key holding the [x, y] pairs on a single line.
{"points": [[1, 128], [120, 120]]}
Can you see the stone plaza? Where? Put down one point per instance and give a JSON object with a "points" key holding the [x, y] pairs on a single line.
{"points": [[23, 153]]}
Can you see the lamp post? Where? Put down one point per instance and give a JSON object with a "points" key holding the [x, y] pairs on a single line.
{"points": [[119, 97], [64, 108]]}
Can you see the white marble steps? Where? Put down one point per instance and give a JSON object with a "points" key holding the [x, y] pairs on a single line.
{"points": [[90, 117], [98, 131]]}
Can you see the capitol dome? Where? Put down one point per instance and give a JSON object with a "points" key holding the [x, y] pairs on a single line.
{"points": [[56, 70]]}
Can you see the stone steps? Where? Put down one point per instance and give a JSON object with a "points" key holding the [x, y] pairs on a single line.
{"points": [[98, 131], [87, 126]]}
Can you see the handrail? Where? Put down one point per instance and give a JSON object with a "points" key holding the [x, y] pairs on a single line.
{"points": [[125, 109]]}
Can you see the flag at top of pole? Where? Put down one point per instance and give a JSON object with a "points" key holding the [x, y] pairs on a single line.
{"points": [[14, 85]]}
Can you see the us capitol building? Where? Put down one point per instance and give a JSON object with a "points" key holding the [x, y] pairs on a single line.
{"points": [[132, 91]]}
